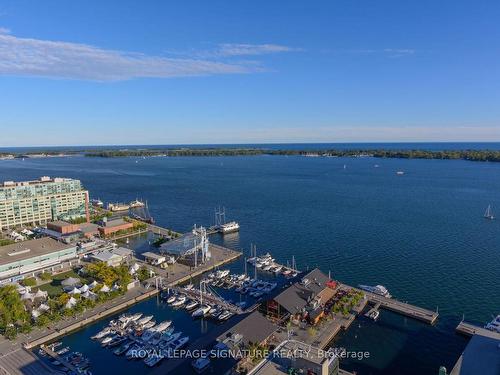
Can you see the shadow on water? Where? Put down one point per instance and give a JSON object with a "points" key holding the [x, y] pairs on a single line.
{"points": [[398, 345]]}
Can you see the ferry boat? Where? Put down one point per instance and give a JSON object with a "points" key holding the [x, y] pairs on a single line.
{"points": [[400, 173], [230, 227], [118, 207], [494, 325], [488, 214], [377, 289]]}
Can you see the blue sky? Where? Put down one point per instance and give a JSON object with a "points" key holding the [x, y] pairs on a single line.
{"points": [[165, 72]]}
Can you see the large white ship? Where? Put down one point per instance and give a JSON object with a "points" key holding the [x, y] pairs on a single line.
{"points": [[118, 207], [377, 289]]}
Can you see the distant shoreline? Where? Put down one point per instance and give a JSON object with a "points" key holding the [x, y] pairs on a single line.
{"points": [[471, 155]]}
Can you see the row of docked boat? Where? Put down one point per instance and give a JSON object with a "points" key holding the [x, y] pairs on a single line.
{"points": [[65, 356], [134, 335], [256, 288], [197, 309], [223, 279], [267, 263]]}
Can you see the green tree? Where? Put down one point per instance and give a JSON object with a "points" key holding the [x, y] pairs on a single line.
{"points": [[30, 281]]}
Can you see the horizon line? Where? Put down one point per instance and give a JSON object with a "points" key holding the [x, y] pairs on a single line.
{"points": [[254, 143]]}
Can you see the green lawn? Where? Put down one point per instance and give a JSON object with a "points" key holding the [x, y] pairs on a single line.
{"points": [[54, 288]]}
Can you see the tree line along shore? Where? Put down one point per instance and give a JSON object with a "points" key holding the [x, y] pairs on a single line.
{"points": [[472, 155]]}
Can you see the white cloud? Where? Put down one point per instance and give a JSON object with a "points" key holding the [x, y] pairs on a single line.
{"points": [[55, 59], [389, 52], [231, 49], [399, 52], [4, 30]]}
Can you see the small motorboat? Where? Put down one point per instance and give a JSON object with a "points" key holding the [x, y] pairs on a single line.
{"points": [[201, 311], [179, 301], [172, 298], [191, 305]]}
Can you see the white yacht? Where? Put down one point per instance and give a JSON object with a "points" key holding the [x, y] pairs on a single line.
{"points": [[144, 320], [163, 326], [172, 298], [494, 325], [221, 274], [135, 204], [179, 301], [201, 311], [230, 227], [191, 305], [377, 289]]}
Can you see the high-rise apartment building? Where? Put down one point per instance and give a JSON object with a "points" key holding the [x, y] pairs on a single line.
{"points": [[40, 201]]}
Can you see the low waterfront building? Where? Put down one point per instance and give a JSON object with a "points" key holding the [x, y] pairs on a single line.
{"points": [[126, 254], [63, 227], [40, 201], [254, 328], [89, 230], [307, 295], [153, 258], [295, 357], [107, 227], [191, 248], [33, 257], [481, 355], [107, 257]]}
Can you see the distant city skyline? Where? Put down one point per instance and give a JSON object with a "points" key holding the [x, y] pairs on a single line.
{"points": [[219, 72]]}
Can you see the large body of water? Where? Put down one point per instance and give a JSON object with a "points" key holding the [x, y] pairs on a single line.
{"points": [[422, 235]]}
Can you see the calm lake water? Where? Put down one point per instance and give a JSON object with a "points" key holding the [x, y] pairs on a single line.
{"points": [[422, 235]]}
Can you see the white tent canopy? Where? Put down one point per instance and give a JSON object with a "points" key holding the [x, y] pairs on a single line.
{"points": [[89, 295], [93, 284], [71, 281], [75, 291], [84, 288], [71, 303], [105, 289]]}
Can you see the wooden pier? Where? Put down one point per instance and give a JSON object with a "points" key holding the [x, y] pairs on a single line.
{"points": [[399, 307], [469, 329], [57, 357]]}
